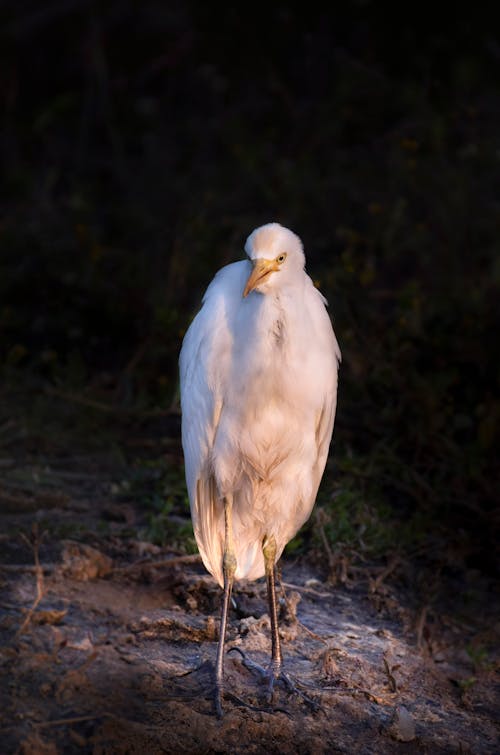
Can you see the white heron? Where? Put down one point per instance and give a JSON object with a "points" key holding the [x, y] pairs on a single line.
{"points": [[258, 383]]}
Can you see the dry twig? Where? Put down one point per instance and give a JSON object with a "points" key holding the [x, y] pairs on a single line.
{"points": [[393, 685], [376, 583], [73, 720], [34, 543], [145, 563]]}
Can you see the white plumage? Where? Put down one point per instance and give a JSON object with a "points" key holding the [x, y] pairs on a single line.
{"points": [[258, 370]]}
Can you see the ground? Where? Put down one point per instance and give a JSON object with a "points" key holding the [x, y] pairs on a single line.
{"points": [[108, 640]]}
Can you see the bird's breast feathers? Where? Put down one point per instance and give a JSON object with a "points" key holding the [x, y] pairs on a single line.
{"points": [[276, 372]]}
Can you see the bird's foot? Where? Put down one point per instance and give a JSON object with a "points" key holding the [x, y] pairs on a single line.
{"points": [[273, 674], [218, 690], [201, 682], [195, 684]]}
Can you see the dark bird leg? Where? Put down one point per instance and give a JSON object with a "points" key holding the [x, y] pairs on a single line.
{"points": [[229, 569], [274, 671]]}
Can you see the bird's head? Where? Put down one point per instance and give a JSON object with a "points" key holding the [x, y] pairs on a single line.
{"points": [[276, 255]]}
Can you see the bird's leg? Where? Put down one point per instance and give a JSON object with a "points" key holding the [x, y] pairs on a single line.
{"points": [[275, 671], [269, 551], [228, 569]]}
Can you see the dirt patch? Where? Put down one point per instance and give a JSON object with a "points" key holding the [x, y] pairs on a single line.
{"points": [[122, 663], [107, 644]]}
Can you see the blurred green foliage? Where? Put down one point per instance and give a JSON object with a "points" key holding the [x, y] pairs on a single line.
{"points": [[143, 142]]}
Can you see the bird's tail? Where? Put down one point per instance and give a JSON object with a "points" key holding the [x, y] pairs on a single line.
{"points": [[208, 525]]}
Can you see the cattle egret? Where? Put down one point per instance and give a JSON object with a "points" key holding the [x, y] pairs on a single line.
{"points": [[258, 383]]}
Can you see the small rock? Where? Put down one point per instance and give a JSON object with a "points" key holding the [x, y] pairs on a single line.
{"points": [[402, 726], [251, 625], [84, 644], [83, 563]]}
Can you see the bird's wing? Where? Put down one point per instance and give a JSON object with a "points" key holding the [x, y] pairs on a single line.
{"points": [[204, 367], [329, 376], [324, 429]]}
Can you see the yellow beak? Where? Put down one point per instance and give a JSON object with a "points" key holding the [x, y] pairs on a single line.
{"points": [[261, 269]]}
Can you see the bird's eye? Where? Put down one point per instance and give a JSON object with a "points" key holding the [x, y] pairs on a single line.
{"points": [[281, 258]]}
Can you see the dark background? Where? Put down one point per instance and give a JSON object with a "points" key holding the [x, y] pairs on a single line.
{"points": [[142, 142]]}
